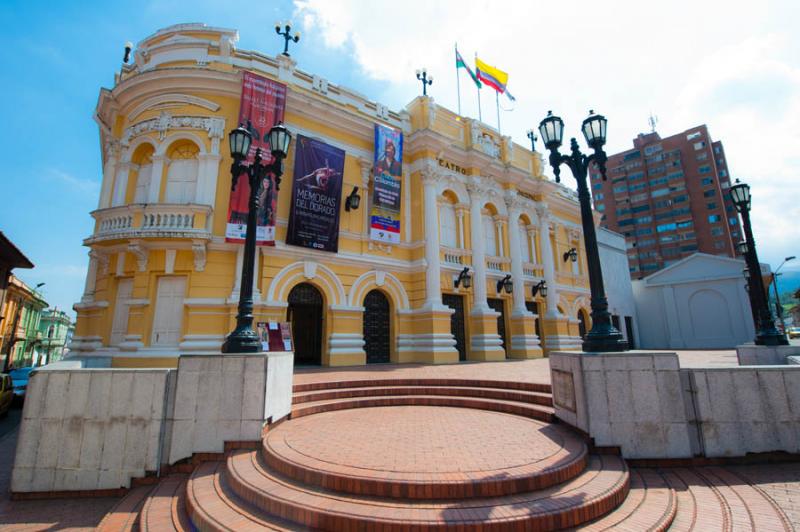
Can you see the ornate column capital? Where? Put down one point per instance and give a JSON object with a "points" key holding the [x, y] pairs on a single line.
{"points": [[429, 176], [366, 171], [543, 211]]}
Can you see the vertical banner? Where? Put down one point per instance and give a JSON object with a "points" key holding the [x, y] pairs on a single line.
{"points": [[262, 106], [316, 195], [388, 170]]}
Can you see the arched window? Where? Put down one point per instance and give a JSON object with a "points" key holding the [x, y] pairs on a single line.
{"points": [[447, 225], [524, 247], [489, 234], [182, 173]]}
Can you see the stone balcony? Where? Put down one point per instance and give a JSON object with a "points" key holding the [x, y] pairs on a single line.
{"points": [[497, 264], [154, 220]]}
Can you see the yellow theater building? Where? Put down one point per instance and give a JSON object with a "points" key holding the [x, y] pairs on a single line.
{"points": [[163, 280]]}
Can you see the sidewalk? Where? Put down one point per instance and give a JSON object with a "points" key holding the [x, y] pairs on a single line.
{"points": [[54, 514]]}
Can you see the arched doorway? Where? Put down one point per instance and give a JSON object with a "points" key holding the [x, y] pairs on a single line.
{"points": [[377, 327], [582, 322], [305, 314]]}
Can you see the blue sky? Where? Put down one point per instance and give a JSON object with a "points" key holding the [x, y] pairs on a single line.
{"points": [[736, 69]]}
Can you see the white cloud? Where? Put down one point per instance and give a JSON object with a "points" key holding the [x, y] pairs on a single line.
{"points": [[84, 185], [731, 67]]}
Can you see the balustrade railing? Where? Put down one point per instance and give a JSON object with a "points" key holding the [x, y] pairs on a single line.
{"points": [[163, 219]]}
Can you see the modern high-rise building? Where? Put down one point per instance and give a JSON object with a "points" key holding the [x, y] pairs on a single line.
{"points": [[669, 197]]}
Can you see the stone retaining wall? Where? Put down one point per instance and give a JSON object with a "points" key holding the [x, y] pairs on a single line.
{"points": [[645, 404], [93, 429]]}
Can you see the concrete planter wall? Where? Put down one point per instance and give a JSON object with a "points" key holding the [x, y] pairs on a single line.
{"points": [[649, 407], [89, 429]]}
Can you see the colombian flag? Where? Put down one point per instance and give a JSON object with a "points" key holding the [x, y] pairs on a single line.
{"points": [[491, 76]]}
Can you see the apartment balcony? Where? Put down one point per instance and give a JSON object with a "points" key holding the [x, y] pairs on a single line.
{"points": [[154, 220]]}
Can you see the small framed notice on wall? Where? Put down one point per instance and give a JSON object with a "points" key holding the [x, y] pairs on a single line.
{"points": [[275, 335]]}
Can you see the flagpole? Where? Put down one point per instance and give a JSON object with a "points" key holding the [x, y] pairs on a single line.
{"points": [[458, 83], [497, 102], [480, 117]]}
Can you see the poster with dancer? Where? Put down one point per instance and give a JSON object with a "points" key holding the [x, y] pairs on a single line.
{"points": [[316, 195], [262, 106]]}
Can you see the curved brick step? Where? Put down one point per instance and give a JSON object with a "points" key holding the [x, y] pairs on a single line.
{"points": [[714, 498], [310, 451], [520, 396], [598, 490], [472, 383], [650, 505], [124, 516], [165, 507], [540, 412], [213, 506]]}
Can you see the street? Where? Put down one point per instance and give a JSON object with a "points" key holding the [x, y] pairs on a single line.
{"points": [[10, 422]]}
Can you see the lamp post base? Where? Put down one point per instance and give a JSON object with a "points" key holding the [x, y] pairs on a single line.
{"points": [[773, 337], [242, 341], [606, 340]]}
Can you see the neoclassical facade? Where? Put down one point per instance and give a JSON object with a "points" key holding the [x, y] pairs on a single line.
{"points": [[163, 280]]}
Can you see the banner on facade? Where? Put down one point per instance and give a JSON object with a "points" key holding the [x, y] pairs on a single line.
{"points": [[316, 195], [387, 172], [262, 106]]}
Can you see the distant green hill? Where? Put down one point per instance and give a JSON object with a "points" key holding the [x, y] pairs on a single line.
{"points": [[788, 283]]}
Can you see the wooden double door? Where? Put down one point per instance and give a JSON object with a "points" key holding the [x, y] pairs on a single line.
{"points": [[306, 314], [377, 328]]}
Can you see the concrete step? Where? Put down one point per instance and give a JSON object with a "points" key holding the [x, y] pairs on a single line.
{"points": [[601, 487], [297, 450], [212, 505], [650, 505], [165, 508], [540, 412], [538, 398], [124, 516], [714, 498], [473, 383]]}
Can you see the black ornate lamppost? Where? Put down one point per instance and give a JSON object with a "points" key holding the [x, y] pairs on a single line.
{"points": [[426, 80], [244, 339], [286, 34], [603, 337], [766, 332], [533, 138]]}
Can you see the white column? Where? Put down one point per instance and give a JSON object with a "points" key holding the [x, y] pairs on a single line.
{"points": [[478, 251], [498, 226], [366, 171], [256, 275], [516, 264], [154, 191], [406, 184], [549, 265], [120, 184], [91, 279], [531, 231], [237, 282], [109, 173], [433, 288], [460, 217]]}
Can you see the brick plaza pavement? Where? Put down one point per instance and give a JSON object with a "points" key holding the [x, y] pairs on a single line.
{"points": [[779, 482]]}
